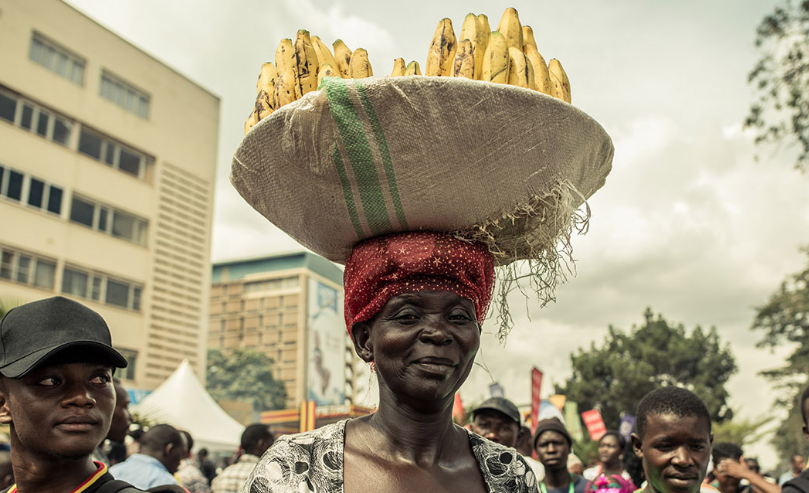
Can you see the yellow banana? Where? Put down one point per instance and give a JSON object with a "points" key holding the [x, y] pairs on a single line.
{"points": [[266, 78], [326, 71], [343, 56], [520, 72], [359, 66], [528, 37], [264, 104], [555, 68], [251, 121], [543, 81], [442, 50], [496, 61], [557, 88], [284, 89], [464, 64], [477, 31], [510, 28], [284, 56], [324, 56], [413, 68], [399, 68], [305, 64]]}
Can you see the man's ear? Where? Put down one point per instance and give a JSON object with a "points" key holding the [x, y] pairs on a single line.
{"points": [[5, 412], [167, 449], [637, 445], [361, 335]]}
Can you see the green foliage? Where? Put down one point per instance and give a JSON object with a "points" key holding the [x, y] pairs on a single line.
{"points": [[614, 376], [741, 432], [780, 112], [245, 375], [784, 320], [586, 450]]}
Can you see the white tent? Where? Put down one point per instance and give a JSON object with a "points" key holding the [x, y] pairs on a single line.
{"points": [[182, 402]]}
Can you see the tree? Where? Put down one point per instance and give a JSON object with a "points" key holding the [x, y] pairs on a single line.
{"points": [[245, 375], [780, 112], [784, 320], [613, 377], [741, 432]]}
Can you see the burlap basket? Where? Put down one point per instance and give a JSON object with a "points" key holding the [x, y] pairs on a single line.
{"points": [[489, 162]]}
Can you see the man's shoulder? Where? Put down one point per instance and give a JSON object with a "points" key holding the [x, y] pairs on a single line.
{"points": [[797, 484]]}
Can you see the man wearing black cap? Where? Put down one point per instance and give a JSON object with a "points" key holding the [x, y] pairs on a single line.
{"points": [[498, 419], [552, 444], [56, 394]]}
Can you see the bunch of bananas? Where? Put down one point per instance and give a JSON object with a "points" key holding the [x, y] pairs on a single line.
{"points": [[508, 55]]}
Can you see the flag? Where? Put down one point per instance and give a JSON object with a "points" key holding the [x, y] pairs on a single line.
{"points": [[627, 425], [458, 413], [496, 390], [536, 386], [572, 420], [558, 400], [594, 423]]}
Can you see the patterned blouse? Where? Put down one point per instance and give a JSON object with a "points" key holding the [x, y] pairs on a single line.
{"points": [[313, 462]]}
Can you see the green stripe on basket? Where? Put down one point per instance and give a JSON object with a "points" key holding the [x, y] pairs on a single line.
{"points": [[382, 144], [360, 158], [349, 197]]}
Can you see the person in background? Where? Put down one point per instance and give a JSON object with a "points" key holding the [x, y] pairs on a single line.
{"points": [[730, 469], [553, 444], [575, 465], [256, 439], [121, 419], [6, 471], [188, 474], [162, 448], [56, 394], [673, 440], [797, 465], [498, 420], [610, 474], [526, 449], [801, 483], [206, 465]]}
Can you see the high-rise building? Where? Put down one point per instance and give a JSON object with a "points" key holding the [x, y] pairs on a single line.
{"points": [[107, 168], [289, 307]]}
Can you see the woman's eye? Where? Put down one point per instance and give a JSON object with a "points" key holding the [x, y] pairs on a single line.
{"points": [[405, 317]]}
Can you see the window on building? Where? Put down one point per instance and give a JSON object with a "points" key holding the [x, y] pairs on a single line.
{"points": [[32, 117], [124, 95], [57, 59], [26, 268], [108, 220], [27, 189], [131, 358], [101, 287], [113, 154]]}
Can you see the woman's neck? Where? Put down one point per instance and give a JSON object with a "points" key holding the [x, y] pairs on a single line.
{"points": [[557, 478], [415, 435], [52, 475], [613, 467]]}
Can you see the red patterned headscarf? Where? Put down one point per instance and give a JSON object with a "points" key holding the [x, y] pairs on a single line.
{"points": [[387, 266]]}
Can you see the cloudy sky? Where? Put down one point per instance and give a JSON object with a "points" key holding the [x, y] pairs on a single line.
{"points": [[687, 224]]}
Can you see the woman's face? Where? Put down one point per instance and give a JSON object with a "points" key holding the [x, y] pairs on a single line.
{"points": [[609, 449], [423, 344]]}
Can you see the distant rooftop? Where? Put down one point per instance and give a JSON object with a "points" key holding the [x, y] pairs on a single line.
{"points": [[239, 269]]}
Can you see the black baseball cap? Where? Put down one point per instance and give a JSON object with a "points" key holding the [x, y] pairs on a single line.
{"points": [[551, 424], [32, 333], [502, 405]]}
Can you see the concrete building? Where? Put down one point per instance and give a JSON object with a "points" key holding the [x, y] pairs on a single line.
{"points": [[107, 171], [290, 307]]}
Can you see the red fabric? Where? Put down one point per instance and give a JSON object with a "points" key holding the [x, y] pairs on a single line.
{"points": [[387, 266]]}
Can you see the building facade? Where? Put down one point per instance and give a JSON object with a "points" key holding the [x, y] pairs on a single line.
{"points": [[107, 169], [289, 307]]}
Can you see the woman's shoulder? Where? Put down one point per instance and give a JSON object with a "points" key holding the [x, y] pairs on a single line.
{"points": [[310, 461], [503, 468]]}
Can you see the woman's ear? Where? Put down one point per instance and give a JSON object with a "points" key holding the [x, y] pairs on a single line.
{"points": [[361, 335]]}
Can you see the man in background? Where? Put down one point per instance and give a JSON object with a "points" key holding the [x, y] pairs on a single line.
{"points": [[121, 419], [256, 439], [797, 465], [800, 484], [162, 449], [188, 474], [206, 465], [553, 444], [498, 420]]}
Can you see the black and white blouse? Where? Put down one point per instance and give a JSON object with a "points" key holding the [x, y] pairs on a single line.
{"points": [[313, 462]]}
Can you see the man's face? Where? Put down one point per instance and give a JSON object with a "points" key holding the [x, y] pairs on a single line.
{"points": [[552, 450], [175, 454], [121, 418], [675, 452], [726, 481], [496, 427], [798, 464], [61, 411]]}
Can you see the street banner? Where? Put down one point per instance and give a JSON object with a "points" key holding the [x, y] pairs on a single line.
{"points": [[594, 423], [547, 410], [558, 400], [627, 425], [572, 420], [458, 413], [536, 386], [496, 390]]}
